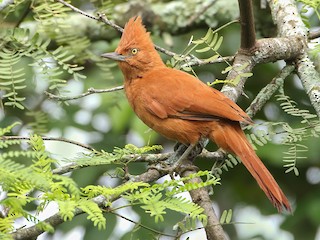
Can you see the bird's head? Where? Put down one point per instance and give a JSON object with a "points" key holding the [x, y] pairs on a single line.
{"points": [[135, 53]]}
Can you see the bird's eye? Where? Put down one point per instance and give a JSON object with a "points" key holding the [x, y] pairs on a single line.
{"points": [[134, 51]]}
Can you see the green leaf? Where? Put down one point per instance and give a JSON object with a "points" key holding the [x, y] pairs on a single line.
{"points": [[214, 40], [218, 44], [211, 59], [227, 69], [226, 216], [205, 49]]}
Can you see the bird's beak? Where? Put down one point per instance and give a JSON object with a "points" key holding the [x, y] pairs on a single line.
{"points": [[114, 56]]}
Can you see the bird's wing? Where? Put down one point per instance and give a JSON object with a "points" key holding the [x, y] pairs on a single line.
{"points": [[174, 94]]}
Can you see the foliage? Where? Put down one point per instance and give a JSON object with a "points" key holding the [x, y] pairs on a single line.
{"points": [[208, 44], [44, 48], [37, 184], [295, 136], [118, 156], [226, 216], [292, 137], [157, 198], [25, 185], [52, 64], [305, 16]]}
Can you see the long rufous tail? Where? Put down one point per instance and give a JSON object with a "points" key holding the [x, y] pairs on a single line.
{"points": [[230, 137]]}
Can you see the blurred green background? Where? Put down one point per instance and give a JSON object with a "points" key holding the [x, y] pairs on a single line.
{"points": [[105, 121]]}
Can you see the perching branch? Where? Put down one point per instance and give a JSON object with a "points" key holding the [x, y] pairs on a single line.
{"points": [[214, 230], [148, 158]]}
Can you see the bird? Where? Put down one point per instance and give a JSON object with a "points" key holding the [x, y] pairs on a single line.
{"points": [[181, 107]]}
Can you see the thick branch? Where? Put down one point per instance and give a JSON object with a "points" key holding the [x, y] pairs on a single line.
{"points": [[289, 23], [232, 91], [201, 197], [265, 50], [248, 35], [310, 80], [274, 49]]}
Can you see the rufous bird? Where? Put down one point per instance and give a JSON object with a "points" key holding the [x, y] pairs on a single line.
{"points": [[181, 107]]}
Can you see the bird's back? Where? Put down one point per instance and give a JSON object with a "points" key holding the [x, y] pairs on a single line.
{"points": [[165, 98]]}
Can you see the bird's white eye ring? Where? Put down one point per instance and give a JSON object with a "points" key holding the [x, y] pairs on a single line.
{"points": [[134, 51]]}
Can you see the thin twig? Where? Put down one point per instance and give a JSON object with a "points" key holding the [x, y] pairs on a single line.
{"points": [[60, 139], [75, 9], [89, 92], [104, 19], [200, 12], [141, 225], [198, 62]]}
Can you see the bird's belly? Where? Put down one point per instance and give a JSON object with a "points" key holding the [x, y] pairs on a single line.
{"points": [[180, 130]]}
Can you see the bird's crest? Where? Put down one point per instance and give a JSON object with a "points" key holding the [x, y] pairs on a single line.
{"points": [[135, 35]]}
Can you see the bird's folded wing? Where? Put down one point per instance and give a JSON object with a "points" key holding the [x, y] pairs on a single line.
{"points": [[185, 97]]}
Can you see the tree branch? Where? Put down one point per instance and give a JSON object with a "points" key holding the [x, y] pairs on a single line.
{"points": [[248, 35], [201, 197], [141, 225], [89, 92], [102, 18], [59, 139], [148, 158], [265, 93], [197, 14], [314, 34], [294, 27]]}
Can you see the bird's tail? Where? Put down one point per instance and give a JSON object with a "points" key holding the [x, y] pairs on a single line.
{"points": [[231, 138]]}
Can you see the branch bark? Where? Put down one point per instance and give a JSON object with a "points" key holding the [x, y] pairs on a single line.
{"points": [[248, 34], [285, 14], [214, 230], [265, 94]]}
